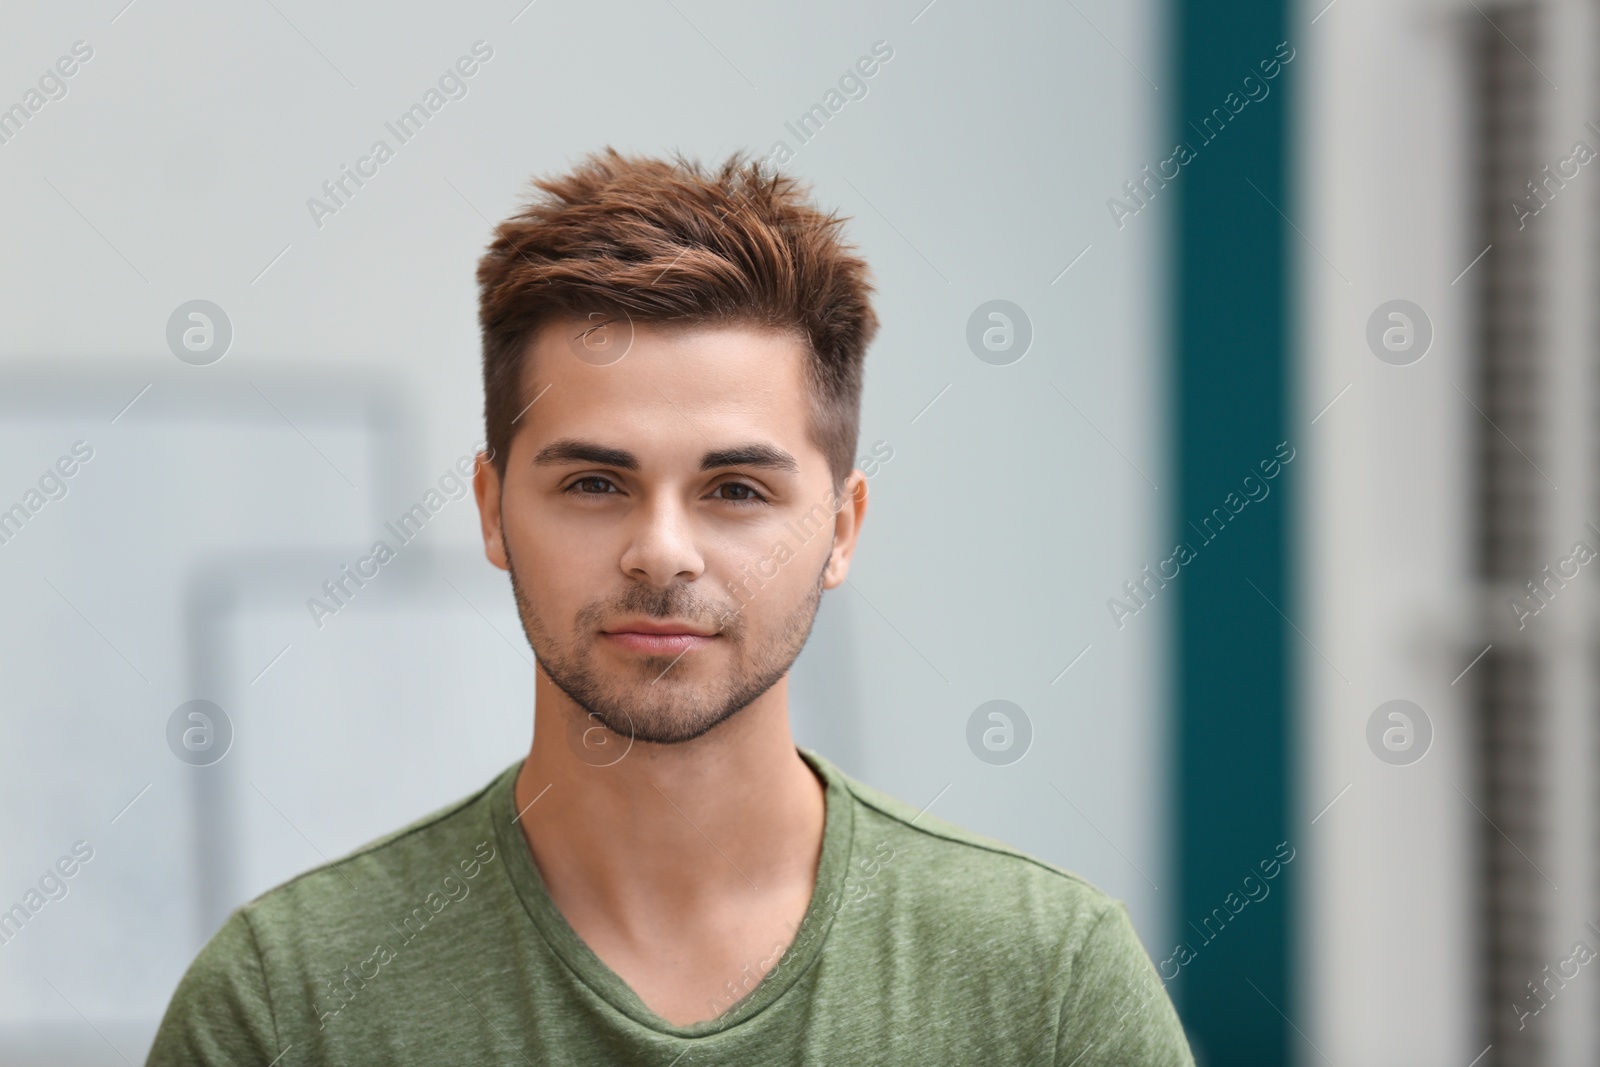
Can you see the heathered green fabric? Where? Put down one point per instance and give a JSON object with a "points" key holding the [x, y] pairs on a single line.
{"points": [[438, 944]]}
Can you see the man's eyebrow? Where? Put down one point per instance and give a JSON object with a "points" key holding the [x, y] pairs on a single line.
{"points": [[751, 455], [755, 454], [572, 450]]}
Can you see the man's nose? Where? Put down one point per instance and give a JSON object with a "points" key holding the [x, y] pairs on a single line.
{"points": [[663, 545]]}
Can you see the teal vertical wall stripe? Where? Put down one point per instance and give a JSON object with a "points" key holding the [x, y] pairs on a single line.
{"points": [[1231, 355]]}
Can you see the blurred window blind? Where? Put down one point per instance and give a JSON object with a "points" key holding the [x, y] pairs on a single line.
{"points": [[1510, 715]]}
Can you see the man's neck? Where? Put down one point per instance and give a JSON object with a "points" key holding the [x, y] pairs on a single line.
{"points": [[672, 836]]}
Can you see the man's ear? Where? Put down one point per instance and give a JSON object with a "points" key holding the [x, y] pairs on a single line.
{"points": [[846, 529], [486, 486]]}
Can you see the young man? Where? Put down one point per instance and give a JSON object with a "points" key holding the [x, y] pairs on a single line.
{"points": [[672, 374]]}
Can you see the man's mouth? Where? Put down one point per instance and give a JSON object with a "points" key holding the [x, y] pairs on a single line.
{"points": [[658, 637]]}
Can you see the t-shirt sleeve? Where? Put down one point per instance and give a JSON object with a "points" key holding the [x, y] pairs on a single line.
{"points": [[221, 1012], [1116, 1011]]}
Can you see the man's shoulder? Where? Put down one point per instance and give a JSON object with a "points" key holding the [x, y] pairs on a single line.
{"points": [[403, 867], [996, 921], [948, 866], [272, 974]]}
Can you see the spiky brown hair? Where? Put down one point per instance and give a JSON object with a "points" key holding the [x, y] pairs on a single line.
{"points": [[668, 243]]}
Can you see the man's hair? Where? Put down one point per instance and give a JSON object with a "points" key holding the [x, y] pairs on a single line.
{"points": [[666, 243]]}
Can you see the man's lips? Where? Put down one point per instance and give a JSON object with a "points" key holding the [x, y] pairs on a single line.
{"points": [[657, 644], [658, 637]]}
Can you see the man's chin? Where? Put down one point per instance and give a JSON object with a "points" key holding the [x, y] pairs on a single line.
{"points": [[629, 718], [662, 730]]}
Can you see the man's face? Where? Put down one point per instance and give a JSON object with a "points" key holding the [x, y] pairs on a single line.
{"points": [[674, 488]]}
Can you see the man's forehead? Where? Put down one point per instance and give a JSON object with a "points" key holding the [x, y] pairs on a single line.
{"points": [[707, 380], [686, 349], [711, 397]]}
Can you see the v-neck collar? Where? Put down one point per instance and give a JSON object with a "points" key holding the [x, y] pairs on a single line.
{"points": [[837, 834]]}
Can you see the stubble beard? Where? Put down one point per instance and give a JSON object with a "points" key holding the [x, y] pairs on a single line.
{"points": [[654, 701]]}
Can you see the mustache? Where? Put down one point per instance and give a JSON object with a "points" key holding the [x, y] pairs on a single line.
{"points": [[676, 603]]}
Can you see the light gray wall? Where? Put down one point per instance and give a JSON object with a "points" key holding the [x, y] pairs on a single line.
{"points": [[178, 166]]}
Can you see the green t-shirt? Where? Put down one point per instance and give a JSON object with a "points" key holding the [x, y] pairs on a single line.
{"points": [[923, 944]]}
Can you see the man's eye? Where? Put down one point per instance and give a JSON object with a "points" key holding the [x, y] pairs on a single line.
{"points": [[598, 485], [591, 479], [744, 494]]}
